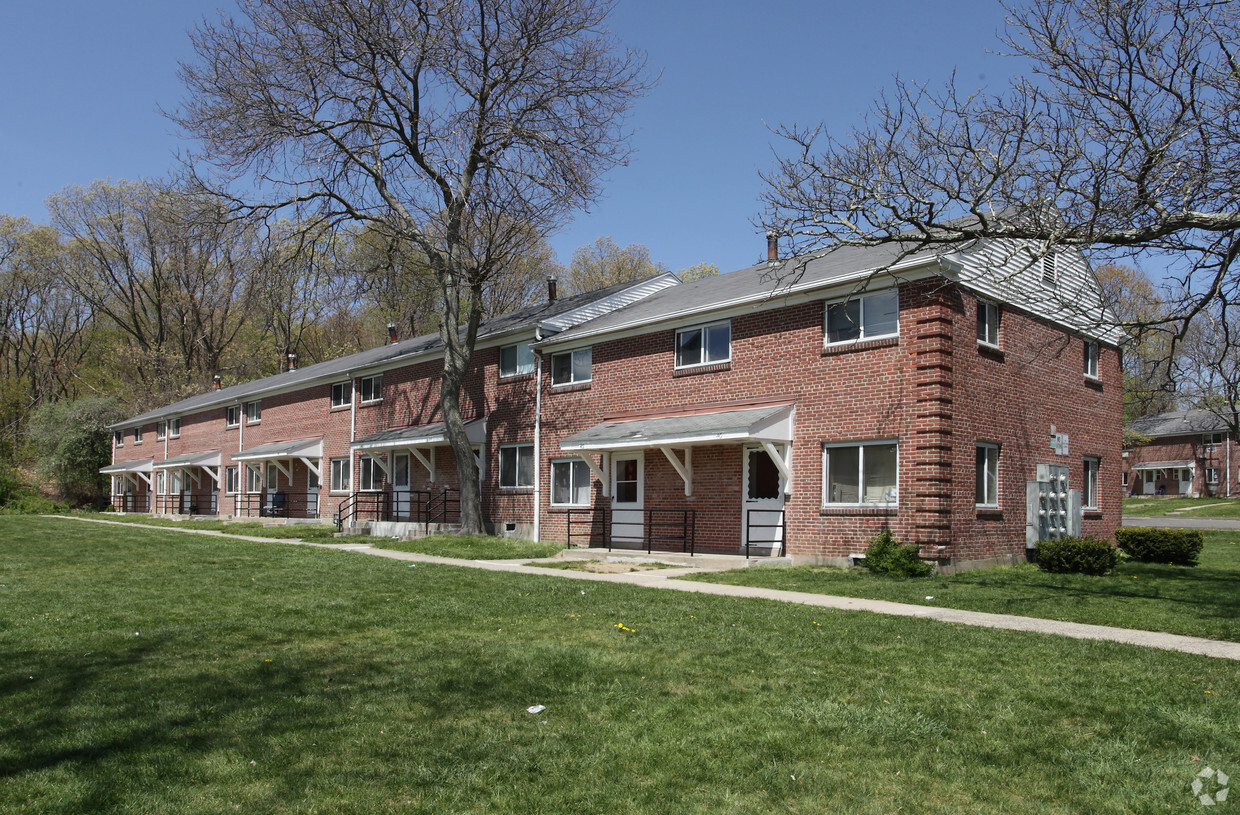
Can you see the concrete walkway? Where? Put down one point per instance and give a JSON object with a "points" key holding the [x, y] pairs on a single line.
{"points": [[664, 579], [1183, 522]]}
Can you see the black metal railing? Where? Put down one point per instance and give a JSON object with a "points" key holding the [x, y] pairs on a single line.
{"points": [[593, 526], [131, 502], [276, 504], [444, 508], [670, 526], [413, 506], [665, 529], [774, 521], [187, 504]]}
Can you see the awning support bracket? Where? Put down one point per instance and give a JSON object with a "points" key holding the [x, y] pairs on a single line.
{"points": [[685, 470], [599, 472], [782, 462]]}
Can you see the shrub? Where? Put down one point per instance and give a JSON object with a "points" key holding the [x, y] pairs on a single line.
{"points": [[1077, 556], [885, 555], [1176, 546]]}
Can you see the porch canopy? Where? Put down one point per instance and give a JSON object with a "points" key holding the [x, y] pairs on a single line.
{"points": [[1165, 465], [133, 471], [189, 463], [281, 454], [415, 441], [682, 431]]}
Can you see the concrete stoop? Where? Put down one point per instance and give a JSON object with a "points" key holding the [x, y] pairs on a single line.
{"points": [[408, 530], [708, 562]]}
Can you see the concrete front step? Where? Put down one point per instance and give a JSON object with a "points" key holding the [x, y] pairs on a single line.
{"points": [[711, 562]]}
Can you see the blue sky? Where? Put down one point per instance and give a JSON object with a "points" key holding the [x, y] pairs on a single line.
{"points": [[82, 81]]}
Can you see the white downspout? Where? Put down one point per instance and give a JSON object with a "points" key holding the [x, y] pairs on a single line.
{"points": [[537, 439], [352, 436], [1227, 441]]}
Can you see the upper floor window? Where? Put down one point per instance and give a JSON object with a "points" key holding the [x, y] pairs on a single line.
{"points": [[571, 367], [859, 473], [1091, 359], [988, 323], [516, 466], [342, 394], [867, 317], [516, 359], [233, 417], [161, 430], [1211, 440], [118, 438], [704, 345], [137, 435], [253, 412], [174, 428], [371, 388]]}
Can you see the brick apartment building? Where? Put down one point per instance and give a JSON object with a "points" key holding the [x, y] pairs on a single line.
{"points": [[967, 401], [1185, 453]]}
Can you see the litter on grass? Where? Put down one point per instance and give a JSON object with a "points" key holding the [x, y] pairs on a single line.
{"points": [[536, 709]]}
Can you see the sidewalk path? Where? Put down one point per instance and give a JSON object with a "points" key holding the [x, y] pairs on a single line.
{"points": [[1183, 522], [663, 579]]}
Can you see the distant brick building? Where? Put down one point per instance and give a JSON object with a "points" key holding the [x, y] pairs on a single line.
{"points": [[967, 401], [1187, 453]]}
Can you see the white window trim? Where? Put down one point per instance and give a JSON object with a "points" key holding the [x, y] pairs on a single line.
{"points": [[376, 474], [332, 395], [572, 368], [1090, 488], [345, 470], [118, 438], [174, 428], [518, 372], [862, 298], [700, 327], [232, 473], [988, 307], [161, 431], [826, 475], [258, 411], [1215, 481], [518, 448], [571, 462], [228, 410], [985, 445], [137, 435], [1092, 359], [361, 389]]}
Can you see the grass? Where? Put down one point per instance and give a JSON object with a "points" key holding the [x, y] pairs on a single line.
{"points": [[1202, 601], [1199, 507], [474, 547], [316, 532], [147, 671]]}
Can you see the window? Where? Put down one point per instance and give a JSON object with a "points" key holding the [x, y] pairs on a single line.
{"points": [[704, 345], [1089, 493], [253, 478], [253, 412], [118, 438], [370, 478], [859, 473], [340, 475], [371, 388], [273, 477], [161, 430], [174, 428], [516, 466], [1124, 478], [570, 483], [232, 479], [864, 318], [1211, 440], [234, 416], [1212, 476], [161, 482], [342, 394], [137, 435], [176, 482], [1091, 359], [987, 492], [571, 367], [988, 323], [515, 360]]}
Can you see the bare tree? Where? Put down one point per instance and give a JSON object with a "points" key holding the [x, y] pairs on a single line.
{"points": [[455, 127], [1149, 366], [1125, 138]]}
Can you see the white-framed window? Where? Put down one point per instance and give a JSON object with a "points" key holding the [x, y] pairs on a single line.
{"points": [[1091, 359], [986, 493], [859, 473], [174, 428], [137, 435], [233, 417], [1210, 441], [1089, 485], [1212, 476], [253, 478], [988, 323], [161, 431], [867, 317], [516, 465], [371, 388], [232, 479], [161, 483], [571, 367], [342, 394], [571, 481], [118, 438], [515, 360], [1124, 478], [370, 475], [253, 412], [273, 477], [704, 345], [176, 482], [340, 475]]}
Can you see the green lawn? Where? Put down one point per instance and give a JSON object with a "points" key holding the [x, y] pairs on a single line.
{"points": [[1199, 507], [472, 547], [145, 671], [1202, 601], [318, 532]]}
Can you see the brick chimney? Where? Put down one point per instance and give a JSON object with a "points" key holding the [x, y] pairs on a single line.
{"points": [[772, 247], [219, 381], [392, 338], [551, 281], [292, 361]]}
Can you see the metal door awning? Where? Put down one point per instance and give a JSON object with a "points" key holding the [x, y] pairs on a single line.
{"points": [[415, 440], [1165, 465], [307, 451], [682, 431], [144, 465], [208, 459]]}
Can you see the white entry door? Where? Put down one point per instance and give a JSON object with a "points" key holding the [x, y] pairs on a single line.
{"points": [[762, 504], [401, 509], [627, 487]]}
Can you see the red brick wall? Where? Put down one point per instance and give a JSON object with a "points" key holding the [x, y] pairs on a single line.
{"points": [[1188, 447]]}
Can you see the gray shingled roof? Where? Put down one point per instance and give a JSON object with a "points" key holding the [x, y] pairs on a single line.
{"points": [[1177, 423], [338, 368]]}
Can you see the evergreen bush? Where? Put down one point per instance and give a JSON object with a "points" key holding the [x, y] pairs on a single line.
{"points": [[885, 555], [1179, 547], [1077, 556]]}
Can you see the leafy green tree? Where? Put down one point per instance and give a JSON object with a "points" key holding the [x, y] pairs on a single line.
{"points": [[604, 263], [73, 442]]}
